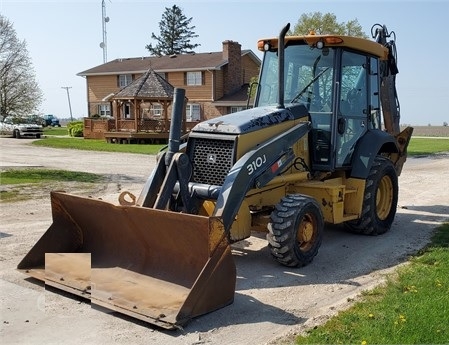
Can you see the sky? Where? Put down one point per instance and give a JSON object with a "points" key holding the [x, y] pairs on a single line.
{"points": [[63, 39]]}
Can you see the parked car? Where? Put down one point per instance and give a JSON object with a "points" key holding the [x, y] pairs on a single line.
{"points": [[18, 128], [51, 120], [36, 119]]}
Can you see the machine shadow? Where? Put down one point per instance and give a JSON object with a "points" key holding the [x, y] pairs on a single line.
{"points": [[244, 310], [440, 212], [343, 256]]}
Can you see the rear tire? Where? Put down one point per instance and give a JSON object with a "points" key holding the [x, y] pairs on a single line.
{"points": [[380, 200], [296, 230]]}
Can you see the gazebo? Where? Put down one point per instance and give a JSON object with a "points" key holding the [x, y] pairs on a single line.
{"points": [[141, 111]]}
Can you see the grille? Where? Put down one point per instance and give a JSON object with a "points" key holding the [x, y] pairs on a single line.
{"points": [[30, 129], [212, 160]]}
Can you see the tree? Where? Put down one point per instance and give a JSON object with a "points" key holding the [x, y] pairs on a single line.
{"points": [[326, 24], [175, 34], [321, 24], [20, 94]]}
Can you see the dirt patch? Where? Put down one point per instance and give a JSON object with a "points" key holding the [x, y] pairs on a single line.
{"points": [[272, 303], [21, 192]]}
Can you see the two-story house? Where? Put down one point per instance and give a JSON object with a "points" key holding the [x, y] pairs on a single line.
{"points": [[216, 83]]}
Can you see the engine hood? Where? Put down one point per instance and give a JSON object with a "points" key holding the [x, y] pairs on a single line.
{"points": [[251, 119], [29, 126]]}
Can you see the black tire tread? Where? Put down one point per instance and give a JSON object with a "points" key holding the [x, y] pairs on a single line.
{"points": [[282, 230], [369, 223]]}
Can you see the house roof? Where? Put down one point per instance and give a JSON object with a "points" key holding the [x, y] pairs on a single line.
{"points": [[183, 62], [149, 85], [238, 98]]}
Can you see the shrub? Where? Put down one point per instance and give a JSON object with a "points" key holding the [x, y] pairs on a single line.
{"points": [[75, 128]]}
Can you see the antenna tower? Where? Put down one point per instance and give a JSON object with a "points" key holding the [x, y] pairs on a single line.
{"points": [[104, 20]]}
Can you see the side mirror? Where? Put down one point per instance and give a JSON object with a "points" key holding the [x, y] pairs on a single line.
{"points": [[341, 125]]}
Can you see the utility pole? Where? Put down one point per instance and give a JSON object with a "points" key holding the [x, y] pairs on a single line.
{"points": [[68, 98]]}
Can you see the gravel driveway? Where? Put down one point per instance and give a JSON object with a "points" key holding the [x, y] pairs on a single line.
{"points": [[271, 303]]}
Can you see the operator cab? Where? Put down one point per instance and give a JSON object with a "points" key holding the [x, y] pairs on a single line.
{"points": [[339, 87]]}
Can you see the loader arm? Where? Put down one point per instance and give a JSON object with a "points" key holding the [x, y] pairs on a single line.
{"points": [[389, 98], [164, 169], [255, 169]]}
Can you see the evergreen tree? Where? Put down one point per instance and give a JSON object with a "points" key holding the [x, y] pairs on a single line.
{"points": [[175, 34]]}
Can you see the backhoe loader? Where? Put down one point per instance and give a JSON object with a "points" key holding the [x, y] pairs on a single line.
{"points": [[312, 150]]}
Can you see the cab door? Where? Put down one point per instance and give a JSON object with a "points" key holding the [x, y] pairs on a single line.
{"points": [[352, 112]]}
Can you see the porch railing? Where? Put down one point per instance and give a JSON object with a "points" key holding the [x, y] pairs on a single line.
{"points": [[95, 128]]}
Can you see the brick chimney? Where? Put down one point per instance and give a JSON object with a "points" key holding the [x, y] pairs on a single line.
{"points": [[232, 52]]}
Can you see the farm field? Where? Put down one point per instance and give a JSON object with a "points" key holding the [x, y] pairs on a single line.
{"points": [[430, 131]]}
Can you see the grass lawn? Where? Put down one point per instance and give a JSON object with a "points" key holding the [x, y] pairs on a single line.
{"points": [[411, 308], [55, 131], [96, 145], [426, 146], [417, 146], [22, 184], [14, 176]]}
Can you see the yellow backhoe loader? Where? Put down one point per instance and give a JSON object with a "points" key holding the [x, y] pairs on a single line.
{"points": [[312, 150]]}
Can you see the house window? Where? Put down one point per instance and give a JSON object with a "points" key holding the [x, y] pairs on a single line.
{"points": [[156, 110], [104, 110], [194, 78], [193, 112], [124, 80], [237, 109]]}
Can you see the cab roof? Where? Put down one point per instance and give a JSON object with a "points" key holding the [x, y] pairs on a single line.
{"points": [[360, 44]]}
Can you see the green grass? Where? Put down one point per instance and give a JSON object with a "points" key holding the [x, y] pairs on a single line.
{"points": [[23, 184], [411, 308], [55, 131], [12, 195], [20, 176], [96, 145], [427, 146], [417, 146]]}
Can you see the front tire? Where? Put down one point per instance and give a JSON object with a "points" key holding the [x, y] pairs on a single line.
{"points": [[380, 200], [296, 230], [16, 134]]}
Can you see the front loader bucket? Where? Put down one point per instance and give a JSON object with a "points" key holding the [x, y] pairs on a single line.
{"points": [[158, 266]]}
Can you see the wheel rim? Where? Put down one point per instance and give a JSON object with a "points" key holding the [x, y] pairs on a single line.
{"points": [[306, 232], [384, 197]]}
